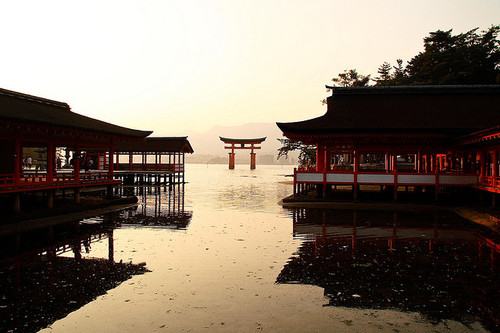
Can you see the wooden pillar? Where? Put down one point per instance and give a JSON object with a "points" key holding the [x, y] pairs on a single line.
{"points": [[320, 158], [418, 162], [111, 246], [51, 157], [18, 158], [252, 157], [76, 165], [117, 166], [482, 165], [354, 232], [437, 187], [355, 175], [387, 163], [394, 159], [494, 165], [111, 164], [231, 157], [183, 168], [294, 182], [130, 160], [17, 202], [77, 195], [50, 199]]}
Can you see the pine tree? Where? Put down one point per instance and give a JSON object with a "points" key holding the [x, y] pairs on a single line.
{"points": [[384, 72]]}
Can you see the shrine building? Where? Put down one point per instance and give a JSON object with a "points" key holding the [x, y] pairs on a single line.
{"points": [[48, 149], [154, 160], [422, 138]]}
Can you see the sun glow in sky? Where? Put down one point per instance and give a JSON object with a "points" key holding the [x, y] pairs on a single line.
{"points": [[178, 67]]}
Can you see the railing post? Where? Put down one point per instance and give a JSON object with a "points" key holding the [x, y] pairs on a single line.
{"points": [[395, 175]]}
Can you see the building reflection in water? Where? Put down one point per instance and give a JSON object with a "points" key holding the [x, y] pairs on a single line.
{"points": [[161, 206], [43, 276], [437, 264]]}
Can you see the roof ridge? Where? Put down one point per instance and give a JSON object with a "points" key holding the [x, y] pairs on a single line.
{"points": [[32, 98]]}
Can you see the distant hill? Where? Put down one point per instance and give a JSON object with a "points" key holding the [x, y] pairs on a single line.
{"points": [[209, 149]]}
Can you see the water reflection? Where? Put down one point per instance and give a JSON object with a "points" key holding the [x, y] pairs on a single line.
{"points": [[43, 276], [162, 206], [435, 264]]}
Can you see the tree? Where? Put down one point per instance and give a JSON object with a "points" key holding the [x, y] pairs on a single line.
{"points": [[399, 76], [307, 153], [385, 76], [467, 58], [351, 78]]}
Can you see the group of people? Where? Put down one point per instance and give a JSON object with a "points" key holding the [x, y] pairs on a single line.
{"points": [[29, 162], [87, 163]]}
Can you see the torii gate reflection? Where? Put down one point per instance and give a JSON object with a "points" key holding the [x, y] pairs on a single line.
{"points": [[242, 144]]}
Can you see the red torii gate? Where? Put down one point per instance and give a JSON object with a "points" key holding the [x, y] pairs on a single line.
{"points": [[242, 144]]}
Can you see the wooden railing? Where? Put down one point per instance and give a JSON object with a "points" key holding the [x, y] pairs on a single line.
{"points": [[34, 180], [490, 181], [383, 178], [149, 167]]}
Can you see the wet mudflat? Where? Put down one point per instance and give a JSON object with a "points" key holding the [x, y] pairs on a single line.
{"points": [[221, 255]]}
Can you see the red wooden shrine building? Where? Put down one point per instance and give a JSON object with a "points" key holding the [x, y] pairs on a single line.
{"points": [[153, 160], [425, 137], [46, 148]]}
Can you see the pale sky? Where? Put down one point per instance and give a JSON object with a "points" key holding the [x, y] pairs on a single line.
{"points": [[178, 67]]}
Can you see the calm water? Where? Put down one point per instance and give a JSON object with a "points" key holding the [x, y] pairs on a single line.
{"points": [[220, 254]]}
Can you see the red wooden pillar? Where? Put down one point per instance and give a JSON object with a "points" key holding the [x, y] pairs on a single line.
{"points": [[231, 157], [76, 165], [252, 158], [18, 160], [437, 170], [355, 174], [320, 158], [418, 162], [117, 166], [111, 164], [387, 163], [494, 171], [51, 156], [130, 160], [482, 165], [395, 175]]}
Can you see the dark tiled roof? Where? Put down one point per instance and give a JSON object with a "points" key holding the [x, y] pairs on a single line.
{"points": [[26, 108], [159, 144], [238, 141], [439, 109]]}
